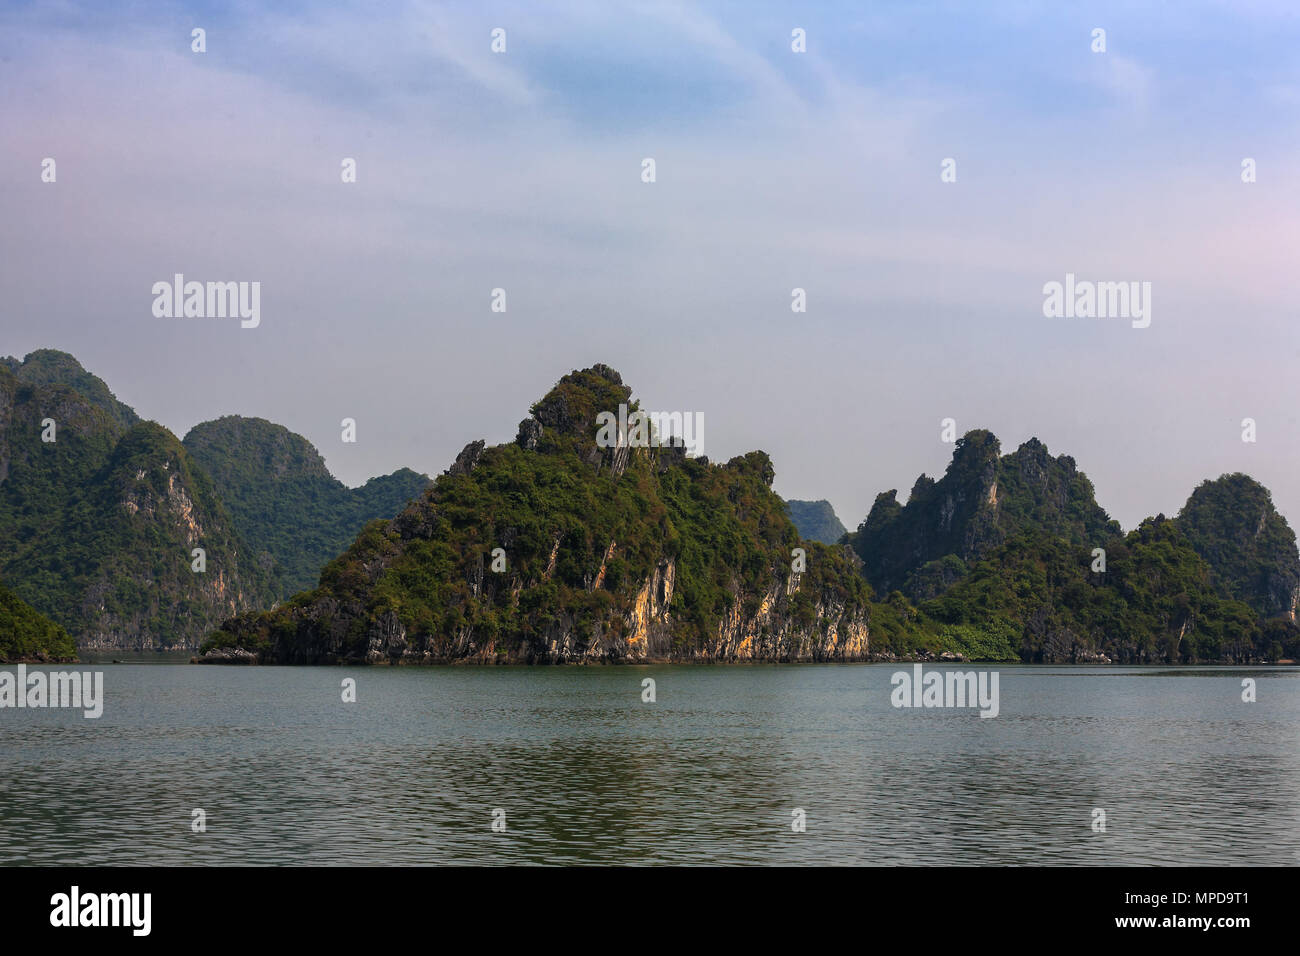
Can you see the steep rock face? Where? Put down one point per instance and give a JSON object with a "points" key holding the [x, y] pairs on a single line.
{"points": [[151, 509], [97, 526], [816, 520], [982, 500], [1250, 548], [771, 633], [555, 549], [293, 513]]}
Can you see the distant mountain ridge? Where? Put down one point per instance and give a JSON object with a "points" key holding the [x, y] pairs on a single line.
{"points": [[816, 520], [125, 537]]}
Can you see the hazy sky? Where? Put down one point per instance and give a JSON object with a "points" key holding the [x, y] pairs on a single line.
{"points": [[821, 170]]}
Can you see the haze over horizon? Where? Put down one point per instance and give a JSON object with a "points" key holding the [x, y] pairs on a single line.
{"points": [[774, 170]]}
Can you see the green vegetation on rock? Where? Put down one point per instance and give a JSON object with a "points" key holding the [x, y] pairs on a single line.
{"points": [[98, 526], [982, 500], [284, 501], [553, 548], [51, 367], [1251, 551], [610, 554], [996, 561], [27, 635]]}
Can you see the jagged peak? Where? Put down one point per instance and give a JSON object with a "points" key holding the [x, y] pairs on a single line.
{"points": [[973, 450], [571, 405], [983, 499], [1249, 501], [1033, 450], [1233, 524], [920, 488]]}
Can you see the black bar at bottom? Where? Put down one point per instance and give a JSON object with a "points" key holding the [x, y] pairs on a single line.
{"points": [[640, 906]]}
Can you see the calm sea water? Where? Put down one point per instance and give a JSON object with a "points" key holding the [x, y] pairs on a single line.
{"points": [[585, 772]]}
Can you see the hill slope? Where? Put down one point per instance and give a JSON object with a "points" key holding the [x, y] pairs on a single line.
{"points": [[284, 501], [1154, 602]]}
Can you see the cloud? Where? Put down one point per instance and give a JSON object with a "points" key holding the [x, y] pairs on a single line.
{"points": [[776, 170], [1127, 80]]}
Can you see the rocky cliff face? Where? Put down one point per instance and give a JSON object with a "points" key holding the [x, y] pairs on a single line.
{"points": [[554, 549], [644, 633], [152, 510], [98, 525], [983, 499]]}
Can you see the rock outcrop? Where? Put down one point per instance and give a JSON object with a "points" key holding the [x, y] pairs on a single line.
{"points": [[1250, 548], [982, 500], [554, 549]]}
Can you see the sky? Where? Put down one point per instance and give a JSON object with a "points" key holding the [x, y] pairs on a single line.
{"points": [[774, 170]]}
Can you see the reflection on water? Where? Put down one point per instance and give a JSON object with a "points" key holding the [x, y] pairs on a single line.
{"points": [[587, 773]]}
